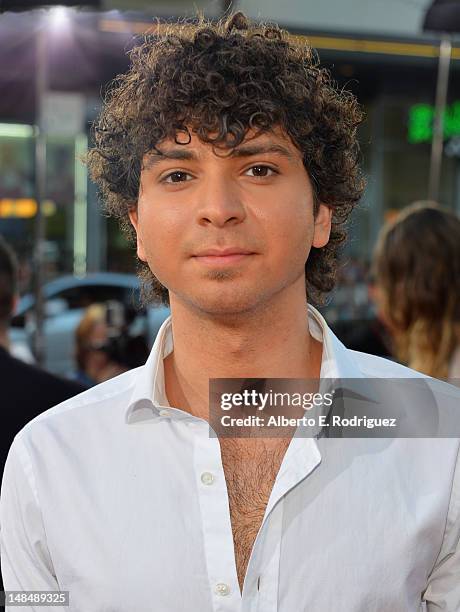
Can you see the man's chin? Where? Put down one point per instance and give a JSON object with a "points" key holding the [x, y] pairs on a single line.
{"points": [[225, 303]]}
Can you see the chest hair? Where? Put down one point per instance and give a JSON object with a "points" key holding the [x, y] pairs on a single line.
{"points": [[250, 467]]}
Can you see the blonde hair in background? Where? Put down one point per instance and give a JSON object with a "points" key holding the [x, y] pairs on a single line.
{"points": [[417, 269], [94, 314]]}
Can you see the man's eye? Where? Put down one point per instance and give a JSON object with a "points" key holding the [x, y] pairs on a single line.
{"points": [[262, 171], [176, 177]]}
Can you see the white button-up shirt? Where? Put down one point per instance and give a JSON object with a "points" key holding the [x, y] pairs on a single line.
{"points": [[121, 499]]}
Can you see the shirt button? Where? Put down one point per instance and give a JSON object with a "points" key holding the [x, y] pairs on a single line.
{"points": [[222, 589], [164, 413], [207, 478]]}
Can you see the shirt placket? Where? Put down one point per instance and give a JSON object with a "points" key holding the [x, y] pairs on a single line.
{"points": [[260, 591], [216, 524], [260, 587]]}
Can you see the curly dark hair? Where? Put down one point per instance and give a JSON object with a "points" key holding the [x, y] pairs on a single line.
{"points": [[226, 78]]}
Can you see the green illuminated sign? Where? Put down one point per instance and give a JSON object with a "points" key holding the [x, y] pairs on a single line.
{"points": [[421, 119]]}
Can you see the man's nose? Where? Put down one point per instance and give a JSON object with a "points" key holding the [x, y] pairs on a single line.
{"points": [[219, 202]]}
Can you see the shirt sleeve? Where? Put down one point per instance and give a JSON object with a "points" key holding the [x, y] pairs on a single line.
{"points": [[443, 590], [25, 559]]}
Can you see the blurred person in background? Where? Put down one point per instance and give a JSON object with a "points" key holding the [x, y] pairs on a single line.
{"points": [[417, 270], [368, 334], [94, 362], [25, 390], [106, 345]]}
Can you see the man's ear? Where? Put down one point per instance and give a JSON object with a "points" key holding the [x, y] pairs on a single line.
{"points": [[133, 217], [322, 229]]}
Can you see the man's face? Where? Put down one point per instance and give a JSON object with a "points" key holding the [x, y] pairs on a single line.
{"points": [[227, 233]]}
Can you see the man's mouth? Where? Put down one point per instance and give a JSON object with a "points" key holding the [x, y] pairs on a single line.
{"points": [[229, 255]]}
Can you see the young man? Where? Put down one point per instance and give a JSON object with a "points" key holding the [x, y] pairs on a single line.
{"points": [[233, 159]]}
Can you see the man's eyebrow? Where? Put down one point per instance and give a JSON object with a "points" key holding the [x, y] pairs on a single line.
{"points": [[250, 150], [154, 158]]}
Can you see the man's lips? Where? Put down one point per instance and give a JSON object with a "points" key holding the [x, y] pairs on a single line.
{"points": [[222, 256]]}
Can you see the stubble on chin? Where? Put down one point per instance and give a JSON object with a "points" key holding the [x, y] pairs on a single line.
{"points": [[220, 275]]}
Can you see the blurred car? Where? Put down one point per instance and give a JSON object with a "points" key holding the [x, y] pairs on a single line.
{"points": [[65, 301]]}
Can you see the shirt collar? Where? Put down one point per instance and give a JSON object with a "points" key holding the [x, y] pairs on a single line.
{"points": [[149, 398]]}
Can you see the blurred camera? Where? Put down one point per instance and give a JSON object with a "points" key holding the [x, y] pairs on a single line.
{"points": [[123, 344]]}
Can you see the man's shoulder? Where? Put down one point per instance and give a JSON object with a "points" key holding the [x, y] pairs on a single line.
{"points": [[373, 366], [100, 402], [27, 391], [376, 367]]}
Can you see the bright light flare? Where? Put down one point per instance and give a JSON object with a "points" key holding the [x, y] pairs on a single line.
{"points": [[59, 18]]}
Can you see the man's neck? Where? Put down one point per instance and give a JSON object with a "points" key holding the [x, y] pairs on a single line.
{"points": [[269, 343]]}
